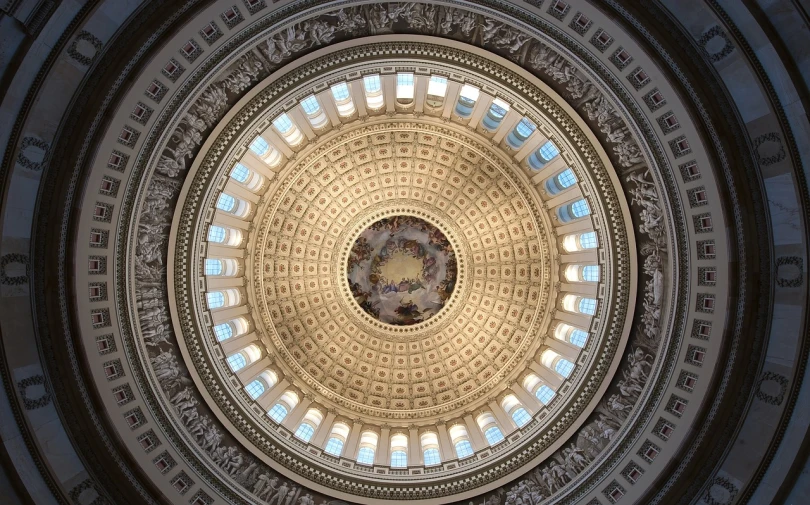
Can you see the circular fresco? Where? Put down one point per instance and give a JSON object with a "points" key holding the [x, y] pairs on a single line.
{"points": [[401, 270]]}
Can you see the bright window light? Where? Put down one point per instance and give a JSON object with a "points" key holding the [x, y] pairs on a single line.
{"points": [[226, 203], [365, 456], [405, 88], [545, 394], [564, 367], [305, 432], [278, 413], [255, 388], [283, 123], [340, 91], [566, 179], [437, 86], [372, 83], [259, 146], [587, 306], [521, 417], [213, 267], [310, 105], [237, 361], [215, 300], [240, 173], [223, 331]]}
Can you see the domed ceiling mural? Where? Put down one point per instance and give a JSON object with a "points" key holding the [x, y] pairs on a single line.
{"points": [[304, 253]]}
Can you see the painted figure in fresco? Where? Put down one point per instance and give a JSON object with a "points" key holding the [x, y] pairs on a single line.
{"points": [[408, 312]]}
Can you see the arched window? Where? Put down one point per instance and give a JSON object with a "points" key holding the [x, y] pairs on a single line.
{"points": [[289, 132], [259, 146], [213, 267], [255, 388], [262, 383], [237, 361], [580, 208], [224, 298], [554, 361], [517, 137], [493, 435], [337, 437], [587, 306], [513, 407], [225, 236], [461, 441], [223, 331], [245, 357], [226, 203], [278, 413], [373, 90], [566, 178], [284, 406], [590, 273], [548, 151], [240, 172], [561, 181], [432, 457], [571, 334], [310, 105], [489, 427], [399, 451], [267, 153], [232, 328], [545, 394], [467, 98], [463, 449], [312, 419], [314, 112], [399, 459], [578, 337], [543, 155], [340, 92], [437, 90], [368, 447], [334, 446], [305, 431], [521, 417], [579, 241], [343, 99], [216, 234], [588, 240], [563, 367], [574, 210], [372, 83], [232, 205], [365, 456], [497, 111], [215, 299], [582, 273], [283, 124], [430, 449], [405, 89]]}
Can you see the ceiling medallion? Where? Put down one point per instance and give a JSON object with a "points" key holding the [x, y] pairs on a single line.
{"points": [[401, 270]]}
